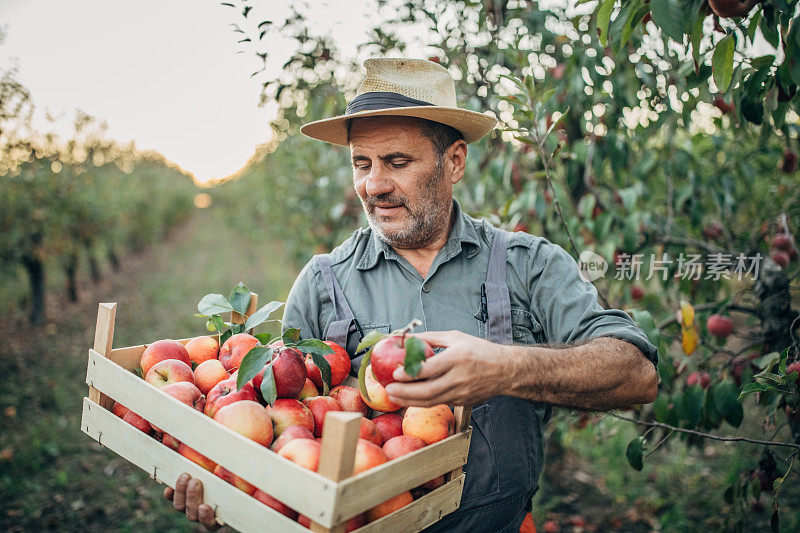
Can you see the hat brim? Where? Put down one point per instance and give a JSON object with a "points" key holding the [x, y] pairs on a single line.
{"points": [[471, 124]]}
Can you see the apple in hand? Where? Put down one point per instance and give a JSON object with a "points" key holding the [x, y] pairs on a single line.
{"points": [[388, 354], [378, 398], [161, 351], [169, 371], [234, 349], [225, 393]]}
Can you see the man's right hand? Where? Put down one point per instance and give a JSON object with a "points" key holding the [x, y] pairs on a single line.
{"points": [[187, 497]]}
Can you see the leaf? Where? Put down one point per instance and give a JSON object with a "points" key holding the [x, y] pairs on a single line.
{"points": [[689, 340], [213, 304], [634, 453], [726, 400], [217, 322], [324, 370], [751, 388], [670, 17], [313, 346], [645, 321], [225, 336], [290, 336], [362, 374], [722, 62], [604, 19], [370, 339], [263, 338], [415, 355], [252, 363], [768, 361], [693, 405], [269, 390], [240, 298], [260, 316]]}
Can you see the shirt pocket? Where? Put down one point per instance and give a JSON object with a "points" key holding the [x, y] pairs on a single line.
{"points": [[355, 337], [482, 471], [525, 328]]}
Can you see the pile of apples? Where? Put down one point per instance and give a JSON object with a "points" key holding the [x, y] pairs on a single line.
{"points": [[203, 375]]}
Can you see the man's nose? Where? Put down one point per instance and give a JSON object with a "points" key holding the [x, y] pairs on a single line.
{"points": [[378, 182]]}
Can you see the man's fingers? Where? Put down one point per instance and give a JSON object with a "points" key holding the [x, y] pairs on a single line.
{"points": [[169, 492], [438, 338], [194, 497], [179, 498], [431, 368], [207, 517], [428, 392]]}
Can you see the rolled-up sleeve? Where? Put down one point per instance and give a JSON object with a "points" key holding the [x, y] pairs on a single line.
{"points": [[567, 305]]}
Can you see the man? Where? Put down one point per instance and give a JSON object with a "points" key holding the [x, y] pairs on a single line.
{"points": [[521, 331]]}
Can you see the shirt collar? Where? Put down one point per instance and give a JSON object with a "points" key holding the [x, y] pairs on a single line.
{"points": [[462, 232]]}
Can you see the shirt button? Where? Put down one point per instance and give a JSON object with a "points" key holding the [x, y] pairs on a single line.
{"points": [[517, 334], [426, 288]]}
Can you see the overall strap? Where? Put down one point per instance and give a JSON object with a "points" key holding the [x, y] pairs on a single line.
{"points": [[338, 329], [498, 301]]}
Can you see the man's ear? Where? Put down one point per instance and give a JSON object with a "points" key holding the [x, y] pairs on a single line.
{"points": [[456, 159]]}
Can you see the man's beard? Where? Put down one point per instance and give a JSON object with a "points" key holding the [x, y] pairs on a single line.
{"points": [[426, 220]]}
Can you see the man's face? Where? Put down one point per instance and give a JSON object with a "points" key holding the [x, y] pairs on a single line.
{"points": [[400, 180]]}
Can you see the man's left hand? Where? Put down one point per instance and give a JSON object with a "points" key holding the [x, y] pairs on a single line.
{"points": [[467, 371]]}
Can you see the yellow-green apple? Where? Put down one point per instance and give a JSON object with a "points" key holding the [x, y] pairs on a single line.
{"points": [[287, 412], [291, 433], [368, 455], [390, 353], [354, 523], [197, 457], [430, 424], [208, 374], [225, 393], [389, 425], [389, 506], [304, 452], [203, 348], [319, 407], [119, 409], [369, 431], [339, 362], [248, 418], [350, 399], [309, 390], [279, 506], [169, 371], [378, 399], [289, 372], [170, 442], [234, 480], [138, 422], [403, 444], [234, 349], [161, 351]]}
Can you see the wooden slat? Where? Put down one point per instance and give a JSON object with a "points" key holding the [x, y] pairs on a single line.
{"points": [[462, 415], [365, 490], [421, 513], [339, 438], [103, 340], [300, 489], [233, 507]]}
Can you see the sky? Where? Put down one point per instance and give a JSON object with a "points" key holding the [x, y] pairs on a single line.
{"points": [[165, 74]]}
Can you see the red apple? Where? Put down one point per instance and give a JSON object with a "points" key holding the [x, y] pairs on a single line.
{"points": [[390, 425], [389, 506], [430, 424], [225, 393], [234, 480], [731, 8], [369, 431], [248, 418], [197, 457], [161, 351], [378, 399], [119, 409], [203, 348], [368, 455], [793, 367], [719, 326], [170, 442], [286, 412], [339, 361], [637, 293], [187, 393], [319, 407], [234, 349], [390, 353], [309, 390], [354, 523], [289, 372], [304, 452], [138, 422], [290, 433], [401, 445], [169, 371], [350, 399], [782, 241], [279, 506], [208, 374], [781, 258], [699, 378]]}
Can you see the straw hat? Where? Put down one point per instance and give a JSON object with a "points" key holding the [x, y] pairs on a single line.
{"points": [[405, 87]]}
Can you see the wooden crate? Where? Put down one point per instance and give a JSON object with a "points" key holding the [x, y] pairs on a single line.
{"points": [[329, 497]]}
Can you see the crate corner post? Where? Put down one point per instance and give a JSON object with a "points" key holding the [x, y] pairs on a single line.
{"points": [[103, 341], [462, 415]]}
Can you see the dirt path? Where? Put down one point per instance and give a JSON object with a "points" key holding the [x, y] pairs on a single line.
{"points": [[52, 476]]}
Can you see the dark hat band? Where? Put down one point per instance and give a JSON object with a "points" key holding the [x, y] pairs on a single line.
{"points": [[381, 100]]}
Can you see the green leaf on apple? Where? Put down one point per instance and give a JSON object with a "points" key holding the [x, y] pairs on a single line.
{"points": [[290, 336], [240, 298], [362, 374], [261, 316], [324, 370], [213, 304], [312, 346], [635, 452], [225, 336], [215, 323], [269, 391], [263, 338], [370, 339], [415, 355], [252, 363]]}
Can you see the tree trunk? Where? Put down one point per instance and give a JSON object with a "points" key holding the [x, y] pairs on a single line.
{"points": [[35, 270], [94, 267], [772, 288], [71, 269], [113, 259]]}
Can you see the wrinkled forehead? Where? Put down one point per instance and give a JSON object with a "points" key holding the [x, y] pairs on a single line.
{"points": [[388, 133]]}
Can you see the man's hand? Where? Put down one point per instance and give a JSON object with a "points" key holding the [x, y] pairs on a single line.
{"points": [[187, 497], [468, 371]]}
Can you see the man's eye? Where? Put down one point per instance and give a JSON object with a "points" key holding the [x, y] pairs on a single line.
{"points": [[399, 164], [362, 168]]}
